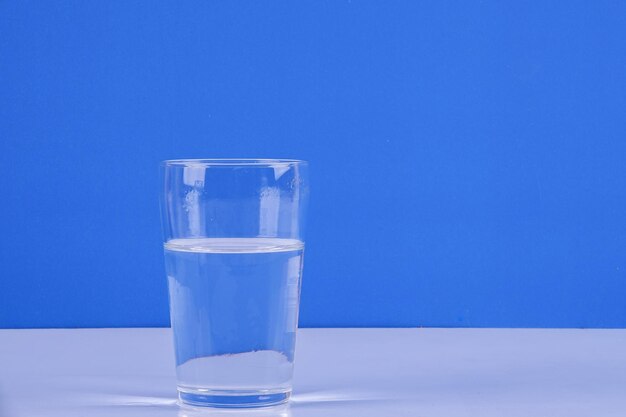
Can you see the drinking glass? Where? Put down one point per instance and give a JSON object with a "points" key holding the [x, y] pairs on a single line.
{"points": [[234, 244]]}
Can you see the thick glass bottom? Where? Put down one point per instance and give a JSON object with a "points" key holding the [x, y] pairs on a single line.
{"points": [[233, 399]]}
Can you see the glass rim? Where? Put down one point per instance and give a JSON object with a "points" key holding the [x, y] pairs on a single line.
{"points": [[234, 162]]}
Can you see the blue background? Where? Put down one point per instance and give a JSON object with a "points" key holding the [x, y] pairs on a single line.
{"points": [[468, 158]]}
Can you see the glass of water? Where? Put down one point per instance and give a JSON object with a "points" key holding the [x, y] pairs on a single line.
{"points": [[234, 241]]}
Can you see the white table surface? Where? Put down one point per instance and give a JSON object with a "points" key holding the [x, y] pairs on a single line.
{"points": [[339, 372]]}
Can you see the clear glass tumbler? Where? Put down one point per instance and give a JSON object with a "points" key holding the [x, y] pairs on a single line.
{"points": [[234, 241]]}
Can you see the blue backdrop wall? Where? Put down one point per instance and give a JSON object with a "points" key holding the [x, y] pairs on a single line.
{"points": [[468, 158]]}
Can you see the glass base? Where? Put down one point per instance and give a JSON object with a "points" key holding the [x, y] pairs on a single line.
{"points": [[233, 399]]}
